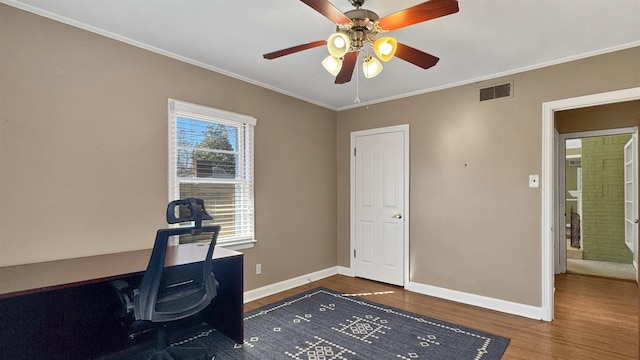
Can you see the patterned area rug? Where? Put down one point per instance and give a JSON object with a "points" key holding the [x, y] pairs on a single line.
{"points": [[324, 325]]}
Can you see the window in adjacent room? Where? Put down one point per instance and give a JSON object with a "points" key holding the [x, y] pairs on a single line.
{"points": [[211, 158]]}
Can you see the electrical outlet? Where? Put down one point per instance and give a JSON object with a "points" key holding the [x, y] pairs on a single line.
{"points": [[258, 269]]}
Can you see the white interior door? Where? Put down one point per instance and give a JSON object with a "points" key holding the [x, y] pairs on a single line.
{"points": [[630, 197], [379, 206]]}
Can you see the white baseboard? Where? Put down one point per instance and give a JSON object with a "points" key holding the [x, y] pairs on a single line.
{"points": [[453, 295], [478, 300], [345, 271], [264, 291]]}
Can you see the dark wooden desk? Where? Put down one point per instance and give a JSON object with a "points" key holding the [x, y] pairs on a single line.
{"points": [[64, 310]]}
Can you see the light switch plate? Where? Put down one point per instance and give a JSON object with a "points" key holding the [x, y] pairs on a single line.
{"points": [[534, 181]]}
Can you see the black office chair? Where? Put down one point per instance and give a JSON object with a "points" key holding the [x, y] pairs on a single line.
{"points": [[170, 294]]}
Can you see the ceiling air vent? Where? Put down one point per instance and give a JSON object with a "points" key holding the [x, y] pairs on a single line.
{"points": [[496, 92]]}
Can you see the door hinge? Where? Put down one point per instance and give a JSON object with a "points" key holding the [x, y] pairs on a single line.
{"points": [[354, 253], [354, 151]]}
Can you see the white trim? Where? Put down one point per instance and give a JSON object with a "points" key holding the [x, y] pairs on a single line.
{"points": [[197, 111], [346, 271], [547, 179], [268, 290], [453, 295], [240, 245], [548, 271], [632, 243], [504, 306], [560, 246], [397, 128]]}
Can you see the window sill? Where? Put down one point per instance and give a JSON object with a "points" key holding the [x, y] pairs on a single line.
{"points": [[239, 245]]}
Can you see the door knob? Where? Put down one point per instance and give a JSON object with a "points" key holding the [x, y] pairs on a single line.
{"points": [[397, 216]]}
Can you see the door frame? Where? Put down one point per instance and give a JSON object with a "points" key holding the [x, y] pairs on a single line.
{"points": [[560, 258], [548, 184], [352, 193]]}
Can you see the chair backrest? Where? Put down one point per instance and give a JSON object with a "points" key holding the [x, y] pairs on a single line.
{"points": [[167, 294]]}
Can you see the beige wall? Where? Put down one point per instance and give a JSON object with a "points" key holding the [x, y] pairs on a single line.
{"points": [[475, 225], [83, 123], [83, 151]]}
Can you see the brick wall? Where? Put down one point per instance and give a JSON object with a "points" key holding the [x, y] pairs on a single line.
{"points": [[603, 199]]}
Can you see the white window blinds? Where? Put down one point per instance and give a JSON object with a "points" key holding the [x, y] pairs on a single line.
{"points": [[211, 158]]}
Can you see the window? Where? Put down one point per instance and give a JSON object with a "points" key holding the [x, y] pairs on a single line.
{"points": [[211, 158]]}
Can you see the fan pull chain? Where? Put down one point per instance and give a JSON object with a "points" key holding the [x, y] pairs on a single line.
{"points": [[357, 100]]}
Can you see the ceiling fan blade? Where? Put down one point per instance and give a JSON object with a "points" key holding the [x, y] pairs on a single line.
{"points": [[415, 56], [294, 49], [329, 11], [348, 64], [419, 13]]}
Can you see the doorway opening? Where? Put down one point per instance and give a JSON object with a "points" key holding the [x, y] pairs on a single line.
{"points": [[549, 188], [597, 201]]}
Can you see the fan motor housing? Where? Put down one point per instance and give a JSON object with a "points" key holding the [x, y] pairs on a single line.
{"points": [[363, 28], [362, 14]]}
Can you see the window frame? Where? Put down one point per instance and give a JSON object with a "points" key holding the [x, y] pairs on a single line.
{"points": [[245, 177]]}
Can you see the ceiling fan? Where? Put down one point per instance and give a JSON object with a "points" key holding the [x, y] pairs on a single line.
{"points": [[359, 26]]}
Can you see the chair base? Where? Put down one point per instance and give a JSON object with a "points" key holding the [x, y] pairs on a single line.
{"points": [[172, 354], [163, 351]]}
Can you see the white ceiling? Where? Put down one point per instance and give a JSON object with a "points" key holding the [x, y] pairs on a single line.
{"points": [[487, 38]]}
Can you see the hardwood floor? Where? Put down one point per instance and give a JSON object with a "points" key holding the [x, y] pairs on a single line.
{"points": [[595, 318]]}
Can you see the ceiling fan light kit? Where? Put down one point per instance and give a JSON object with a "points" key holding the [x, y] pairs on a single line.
{"points": [[338, 44], [358, 27], [371, 67], [385, 48], [332, 64]]}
